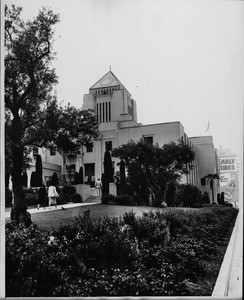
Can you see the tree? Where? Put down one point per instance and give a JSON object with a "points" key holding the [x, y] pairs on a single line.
{"points": [[80, 177], [108, 166], [33, 181], [54, 179], [39, 180], [151, 167], [25, 179], [122, 172], [188, 194], [34, 117], [107, 176], [211, 179]]}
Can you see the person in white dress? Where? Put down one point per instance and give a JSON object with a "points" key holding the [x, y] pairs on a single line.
{"points": [[52, 195]]}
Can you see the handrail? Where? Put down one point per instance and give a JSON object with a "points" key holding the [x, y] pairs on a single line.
{"points": [[222, 283]]}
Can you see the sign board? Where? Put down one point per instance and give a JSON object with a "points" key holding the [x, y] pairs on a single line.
{"points": [[229, 178]]}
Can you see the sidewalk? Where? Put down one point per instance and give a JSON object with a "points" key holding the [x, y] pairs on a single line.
{"points": [[48, 209]]}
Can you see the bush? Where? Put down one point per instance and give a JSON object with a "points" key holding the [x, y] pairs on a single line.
{"points": [[124, 200], [8, 197], [188, 194], [205, 198], [106, 199], [66, 193], [76, 198], [130, 256], [31, 196]]}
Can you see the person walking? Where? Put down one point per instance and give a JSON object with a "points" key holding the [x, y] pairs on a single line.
{"points": [[98, 187], [52, 195], [42, 195]]}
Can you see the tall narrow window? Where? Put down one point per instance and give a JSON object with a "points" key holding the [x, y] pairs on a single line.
{"points": [[106, 111], [100, 112], [109, 111], [97, 113], [103, 112]]}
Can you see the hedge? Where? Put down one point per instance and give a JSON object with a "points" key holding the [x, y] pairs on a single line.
{"points": [[149, 255]]}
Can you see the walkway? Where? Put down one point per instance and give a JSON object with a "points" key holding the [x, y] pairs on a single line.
{"points": [[51, 208]]}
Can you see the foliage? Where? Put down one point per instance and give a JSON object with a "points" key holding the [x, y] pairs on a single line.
{"points": [[107, 176], [54, 179], [170, 193], [124, 200], [8, 197], [66, 193], [105, 184], [33, 179], [205, 197], [188, 194], [25, 179], [31, 196], [38, 170], [80, 176], [132, 256], [151, 167], [76, 198], [76, 178], [33, 116], [107, 198]]}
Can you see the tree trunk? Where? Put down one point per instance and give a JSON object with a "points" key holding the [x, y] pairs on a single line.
{"points": [[19, 214]]}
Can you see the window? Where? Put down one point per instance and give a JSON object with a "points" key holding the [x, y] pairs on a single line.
{"points": [[89, 173], [89, 148], [148, 139], [203, 181], [108, 145], [52, 150]]}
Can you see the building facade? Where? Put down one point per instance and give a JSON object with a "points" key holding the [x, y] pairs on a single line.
{"points": [[116, 113], [207, 162]]}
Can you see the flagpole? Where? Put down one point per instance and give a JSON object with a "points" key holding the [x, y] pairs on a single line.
{"points": [[208, 128]]}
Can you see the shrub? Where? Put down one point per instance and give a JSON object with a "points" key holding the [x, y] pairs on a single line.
{"points": [[76, 198], [205, 198], [66, 193], [8, 197], [124, 200], [106, 199], [31, 196], [130, 256], [188, 194]]}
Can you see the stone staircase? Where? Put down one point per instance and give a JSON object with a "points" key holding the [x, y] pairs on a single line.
{"points": [[93, 199]]}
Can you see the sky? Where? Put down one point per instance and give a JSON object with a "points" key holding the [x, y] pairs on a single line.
{"points": [[180, 60]]}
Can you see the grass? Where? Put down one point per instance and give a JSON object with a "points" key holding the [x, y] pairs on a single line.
{"points": [[55, 218]]}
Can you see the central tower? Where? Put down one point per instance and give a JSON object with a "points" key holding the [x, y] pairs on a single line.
{"points": [[111, 101]]}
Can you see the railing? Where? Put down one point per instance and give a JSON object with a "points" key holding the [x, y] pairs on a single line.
{"points": [[229, 281]]}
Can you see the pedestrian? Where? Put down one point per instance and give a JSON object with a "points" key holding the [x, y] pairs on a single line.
{"points": [[42, 195], [52, 195], [98, 187]]}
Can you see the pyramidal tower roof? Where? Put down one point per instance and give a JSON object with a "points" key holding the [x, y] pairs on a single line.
{"points": [[108, 80]]}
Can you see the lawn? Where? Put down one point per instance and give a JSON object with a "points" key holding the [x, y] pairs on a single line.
{"points": [[53, 219]]}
